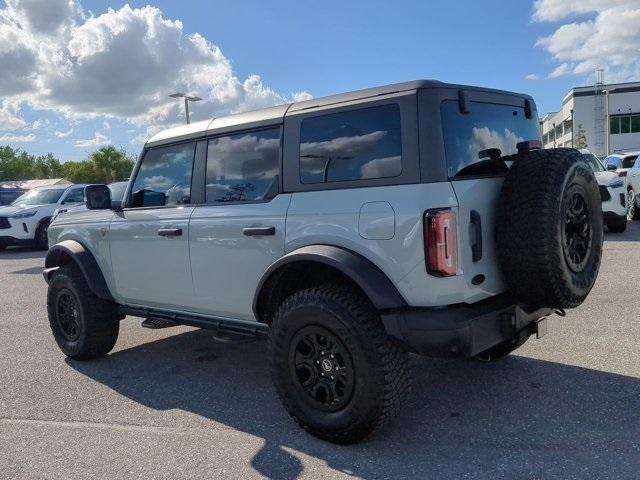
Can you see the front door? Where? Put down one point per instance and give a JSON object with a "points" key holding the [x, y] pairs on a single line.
{"points": [[240, 231], [149, 239]]}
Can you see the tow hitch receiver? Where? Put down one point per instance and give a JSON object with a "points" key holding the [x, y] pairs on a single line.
{"points": [[541, 327]]}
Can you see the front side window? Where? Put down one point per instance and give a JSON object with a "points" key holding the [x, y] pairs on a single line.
{"points": [[164, 177], [489, 131], [353, 145], [243, 167], [629, 162]]}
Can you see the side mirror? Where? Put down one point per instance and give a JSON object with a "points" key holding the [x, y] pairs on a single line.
{"points": [[98, 197], [611, 167]]}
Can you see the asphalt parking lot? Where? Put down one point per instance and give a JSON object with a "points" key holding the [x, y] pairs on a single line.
{"points": [[182, 403]]}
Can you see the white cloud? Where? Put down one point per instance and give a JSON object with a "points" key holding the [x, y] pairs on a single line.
{"points": [[9, 138], [121, 64], [9, 116], [98, 140], [60, 134], [106, 125], [604, 34], [532, 76]]}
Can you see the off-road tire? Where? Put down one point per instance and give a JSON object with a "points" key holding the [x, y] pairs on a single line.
{"points": [[503, 349], [381, 368], [618, 225], [634, 209], [97, 320], [537, 226], [41, 239]]}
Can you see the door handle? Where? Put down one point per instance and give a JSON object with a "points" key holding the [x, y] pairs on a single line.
{"points": [[258, 231], [170, 232]]}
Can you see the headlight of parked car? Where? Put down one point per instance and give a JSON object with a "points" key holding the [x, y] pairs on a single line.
{"points": [[617, 183], [28, 214]]}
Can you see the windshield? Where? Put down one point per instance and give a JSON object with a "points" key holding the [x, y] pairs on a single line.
{"points": [[38, 197], [593, 162], [117, 190], [487, 132]]}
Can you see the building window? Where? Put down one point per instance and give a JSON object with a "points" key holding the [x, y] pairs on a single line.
{"points": [[624, 124], [614, 126], [635, 124]]}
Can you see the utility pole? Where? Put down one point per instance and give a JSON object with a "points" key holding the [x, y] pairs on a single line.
{"points": [[187, 99]]}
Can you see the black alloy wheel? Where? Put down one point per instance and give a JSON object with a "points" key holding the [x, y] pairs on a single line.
{"points": [[322, 367], [577, 230]]}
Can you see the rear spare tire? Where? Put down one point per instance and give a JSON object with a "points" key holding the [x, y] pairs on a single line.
{"points": [[549, 228]]}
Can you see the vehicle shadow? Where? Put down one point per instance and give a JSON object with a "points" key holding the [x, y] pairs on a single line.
{"points": [[22, 253], [518, 418], [631, 234]]}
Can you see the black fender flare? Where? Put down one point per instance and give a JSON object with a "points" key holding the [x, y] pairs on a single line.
{"points": [[71, 250], [363, 272]]}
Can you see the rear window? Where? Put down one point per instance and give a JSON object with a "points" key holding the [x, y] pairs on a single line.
{"points": [[468, 137], [628, 162]]}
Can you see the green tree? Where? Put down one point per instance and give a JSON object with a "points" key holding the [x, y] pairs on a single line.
{"points": [[580, 140]]}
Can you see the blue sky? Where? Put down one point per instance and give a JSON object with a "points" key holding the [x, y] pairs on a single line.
{"points": [[103, 87]]}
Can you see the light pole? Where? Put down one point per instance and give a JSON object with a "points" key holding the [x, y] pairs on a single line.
{"points": [[187, 99]]}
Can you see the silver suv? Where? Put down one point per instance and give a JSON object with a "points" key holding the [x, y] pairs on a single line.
{"points": [[351, 230]]}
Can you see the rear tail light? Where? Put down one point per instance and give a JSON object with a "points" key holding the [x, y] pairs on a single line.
{"points": [[622, 173], [440, 243]]}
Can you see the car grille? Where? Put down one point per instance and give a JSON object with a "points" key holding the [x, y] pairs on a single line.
{"points": [[4, 223], [604, 193]]}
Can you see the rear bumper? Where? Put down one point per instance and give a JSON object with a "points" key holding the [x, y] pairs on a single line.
{"points": [[461, 330]]}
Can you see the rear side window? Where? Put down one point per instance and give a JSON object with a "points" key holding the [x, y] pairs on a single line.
{"points": [[164, 177], [243, 167], [352, 145], [476, 137], [628, 162]]}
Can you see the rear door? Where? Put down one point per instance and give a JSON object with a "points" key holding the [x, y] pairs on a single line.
{"points": [[149, 238], [240, 230], [474, 143]]}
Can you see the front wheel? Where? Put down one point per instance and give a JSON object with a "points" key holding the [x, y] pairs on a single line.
{"points": [[83, 325], [632, 205], [42, 237], [335, 369]]}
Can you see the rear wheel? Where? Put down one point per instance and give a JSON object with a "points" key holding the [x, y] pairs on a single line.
{"points": [[336, 371], [83, 325], [632, 205]]}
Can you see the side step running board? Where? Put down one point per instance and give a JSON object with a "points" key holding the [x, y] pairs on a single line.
{"points": [[162, 319]]}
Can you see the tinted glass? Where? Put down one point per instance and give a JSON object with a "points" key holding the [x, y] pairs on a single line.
{"points": [[164, 177], [354, 145], [628, 162], [614, 125], [243, 167], [74, 196], [625, 124], [486, 126], [39, 197], [635, 124]]}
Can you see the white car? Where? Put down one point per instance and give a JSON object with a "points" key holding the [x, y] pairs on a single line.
{"points": [[620, 163], [613, 193], [26, 220], [633, 192]]}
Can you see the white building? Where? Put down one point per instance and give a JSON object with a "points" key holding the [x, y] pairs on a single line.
{"points": [[607, 114]]}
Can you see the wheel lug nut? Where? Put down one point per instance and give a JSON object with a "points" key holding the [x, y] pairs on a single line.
{"points": [[331, 377], [332, 355]]}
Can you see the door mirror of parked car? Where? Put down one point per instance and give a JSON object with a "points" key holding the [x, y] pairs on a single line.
{"points": [[98, 197]]}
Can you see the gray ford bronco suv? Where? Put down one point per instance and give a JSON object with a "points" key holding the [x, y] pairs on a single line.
{"points": [[351, 230]]}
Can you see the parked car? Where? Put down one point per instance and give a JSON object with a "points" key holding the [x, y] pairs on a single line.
{"points": [[418, 217], [9, 194], [613, 193], [117, 192], [633, 192], [620, 163], [27, 218]]}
